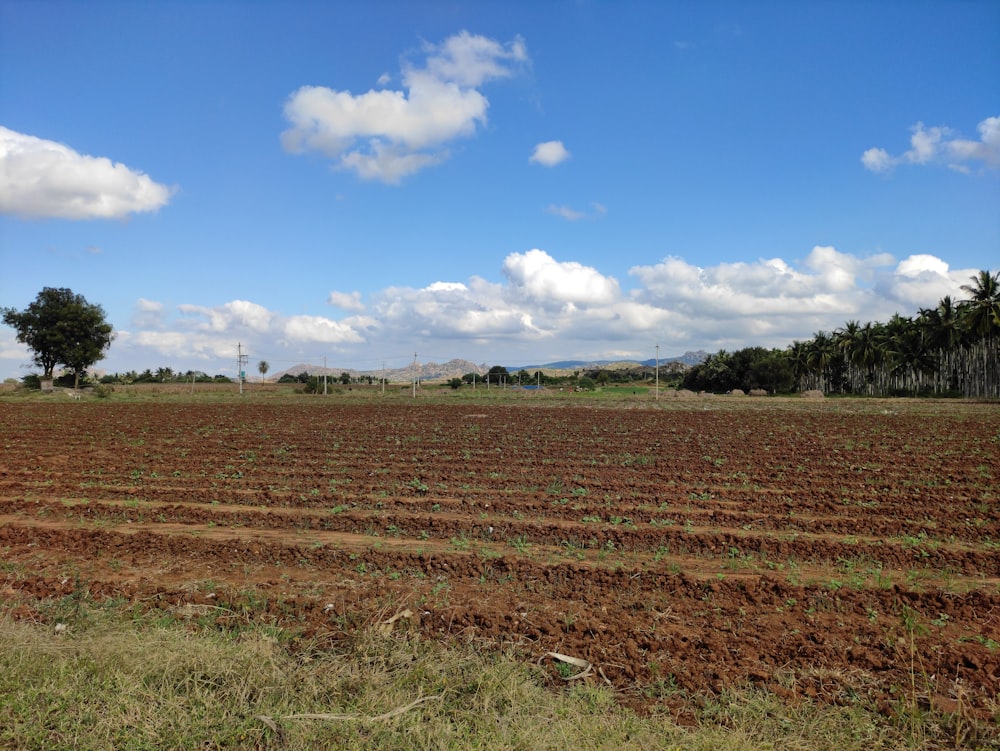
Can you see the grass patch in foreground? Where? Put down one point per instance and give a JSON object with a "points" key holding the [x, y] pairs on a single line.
{"points": [[117, 682]]}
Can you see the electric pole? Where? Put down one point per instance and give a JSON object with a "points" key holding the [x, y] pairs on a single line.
{"points": [[241, 361], [657, 371]]}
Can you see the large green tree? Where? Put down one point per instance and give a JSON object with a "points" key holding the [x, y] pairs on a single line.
{"points": [[498, 375], [61, 328]]}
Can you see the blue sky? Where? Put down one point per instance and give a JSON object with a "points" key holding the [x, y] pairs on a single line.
{"points": [[511, 183]]}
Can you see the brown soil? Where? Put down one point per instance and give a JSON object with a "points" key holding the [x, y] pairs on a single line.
{"points": [[841, 552]]}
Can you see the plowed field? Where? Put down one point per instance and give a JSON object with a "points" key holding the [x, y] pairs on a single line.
{"points": [[842, 550]]}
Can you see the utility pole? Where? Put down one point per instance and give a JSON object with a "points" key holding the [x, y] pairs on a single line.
{"points": [[383, 377], [657, 371], [241, 361], [324, 375], [414, 375]]}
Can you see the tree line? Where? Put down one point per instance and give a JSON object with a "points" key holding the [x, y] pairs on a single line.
{"points": [[952, 349]]}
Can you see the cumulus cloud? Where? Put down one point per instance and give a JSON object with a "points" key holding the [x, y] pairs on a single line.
{"points": [[197, 346], [921, 280], [939, 144], [320, 330], [771, 302], [986, 149], [148, 314], [386, 134], [829, 283], [43, 179], [477, 310], [231, 316], [543, 309], [206, 337], [346, 301], [877, 160], [537, 276], [549, 154]]}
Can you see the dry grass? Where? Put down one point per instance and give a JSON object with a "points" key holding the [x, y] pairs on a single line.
{"points": [[117, 680]]}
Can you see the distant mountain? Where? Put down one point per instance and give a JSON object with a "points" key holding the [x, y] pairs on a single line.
{"points": [[457, 368], [688, 358], [430, 371]]}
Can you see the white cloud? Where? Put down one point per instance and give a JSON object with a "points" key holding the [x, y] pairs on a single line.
{"points": [[321, 330], [924, 144], [539, 277], [447, 287], [986, 149], [231, 316], [543, 309], [938, 144], [772, 302], [770, 287], [346, 301], [877, 160], [45, 179], [549, 154], [919, 281], [478, 310], [386, 134], [566, 212], [570, 214], [180, 345], [389, 163], [207, 336], [12, 350], [148, 314]]}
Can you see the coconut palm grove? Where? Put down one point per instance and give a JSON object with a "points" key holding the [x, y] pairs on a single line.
{"points": [[952, 349]]}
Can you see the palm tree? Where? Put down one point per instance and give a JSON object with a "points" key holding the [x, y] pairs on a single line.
{"points": [[262, 367], [798, 355], [912, 358], [822, 350], [943, 330], [981, 318], [982, 311], [869, 352], [846, 340], [906, 354]]}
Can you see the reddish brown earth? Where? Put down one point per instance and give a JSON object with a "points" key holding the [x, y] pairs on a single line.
{"points": [[842, 550]]}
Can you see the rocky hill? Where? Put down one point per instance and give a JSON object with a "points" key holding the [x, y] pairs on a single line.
{"points": [[432, 371], [429, 371]]}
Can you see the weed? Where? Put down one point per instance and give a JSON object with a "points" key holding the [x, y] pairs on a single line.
{"points": [[520, 543]]}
